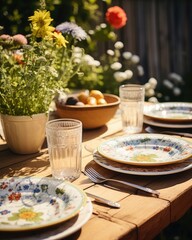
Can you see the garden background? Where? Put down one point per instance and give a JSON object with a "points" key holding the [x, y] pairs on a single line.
{"points": [[159, 32]]}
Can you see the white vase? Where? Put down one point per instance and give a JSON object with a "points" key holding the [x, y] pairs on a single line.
{"points": [[24, 134]]}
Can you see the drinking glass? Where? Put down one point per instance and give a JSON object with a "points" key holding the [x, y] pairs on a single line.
{"points": [[131, 105], [64, 139]]}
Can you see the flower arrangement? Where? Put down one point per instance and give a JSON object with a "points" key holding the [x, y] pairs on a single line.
{"points": [[34, 67]]}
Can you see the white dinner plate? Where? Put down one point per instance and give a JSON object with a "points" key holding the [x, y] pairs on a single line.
{"points": [[146, 149], [28, 203], [158, 123], [170, 111], [143, 171], [58, 231]]}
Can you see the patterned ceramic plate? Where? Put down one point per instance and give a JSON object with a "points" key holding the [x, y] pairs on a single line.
{"points": [[170, 111], [158, 123], [142, 171], [146, 149], [59, 231], [31, 203]]}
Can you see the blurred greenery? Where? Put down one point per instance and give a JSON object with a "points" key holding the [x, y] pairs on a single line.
{"points": [[87, 14], [14, 14]]}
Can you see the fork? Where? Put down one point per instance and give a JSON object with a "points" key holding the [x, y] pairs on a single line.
{"points": [[96, 177]]}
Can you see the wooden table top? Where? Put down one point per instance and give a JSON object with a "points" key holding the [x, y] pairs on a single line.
{"points": [[141, 216]]}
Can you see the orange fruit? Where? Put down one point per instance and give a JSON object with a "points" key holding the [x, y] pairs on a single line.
{"points": [[91, 101], [82, 97], [96, 94], [101, 101]]}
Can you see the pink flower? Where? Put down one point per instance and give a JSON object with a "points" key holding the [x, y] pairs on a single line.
{"points": [[5, 37], [20, 39]]}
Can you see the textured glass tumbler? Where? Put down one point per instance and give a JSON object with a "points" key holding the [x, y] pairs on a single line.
{"points": [[131, 105], [64, 139]]}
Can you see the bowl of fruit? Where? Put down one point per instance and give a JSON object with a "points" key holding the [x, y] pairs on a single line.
{"points": [[93, 108]]}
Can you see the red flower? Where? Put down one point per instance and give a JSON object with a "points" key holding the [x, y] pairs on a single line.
{"points": [[14, 196], [116, 17], [3, 185], [167, 149], [18, 58]]}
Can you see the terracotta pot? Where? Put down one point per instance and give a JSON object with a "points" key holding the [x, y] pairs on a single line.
{"points": [[24, 134]]}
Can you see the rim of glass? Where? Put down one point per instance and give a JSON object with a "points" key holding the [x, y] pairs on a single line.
{"points": [[50, 123], [133, 86]]}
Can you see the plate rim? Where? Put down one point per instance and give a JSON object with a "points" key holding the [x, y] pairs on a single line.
{"points": [[11, 228], [64, 230], [131, 172], [145, 163], [69, 231], [158, 123], [166, 119]]}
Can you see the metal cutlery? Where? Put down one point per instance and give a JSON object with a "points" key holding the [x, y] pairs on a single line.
{"points": [[103, 200], [96, 177]]}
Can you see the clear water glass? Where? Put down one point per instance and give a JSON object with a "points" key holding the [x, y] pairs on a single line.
{"points": [[64, 139], [131, 106]]}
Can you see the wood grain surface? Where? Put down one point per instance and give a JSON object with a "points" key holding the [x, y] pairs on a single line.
{"points": [[141, 216]]}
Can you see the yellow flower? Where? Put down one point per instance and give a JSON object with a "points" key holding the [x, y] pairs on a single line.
{"points": [[26, 214], [144, 158], [40, 23], [60, 40], [42, 32], [41, 18]]}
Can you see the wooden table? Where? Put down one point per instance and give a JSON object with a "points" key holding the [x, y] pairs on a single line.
{"points": [[141, 216]]}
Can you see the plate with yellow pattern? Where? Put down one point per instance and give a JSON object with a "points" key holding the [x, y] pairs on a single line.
{"points": [[142, 170], [28, 203], [146, 149], [170, 111]]}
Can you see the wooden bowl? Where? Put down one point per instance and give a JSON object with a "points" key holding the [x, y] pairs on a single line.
{"points": [[91, 116]]}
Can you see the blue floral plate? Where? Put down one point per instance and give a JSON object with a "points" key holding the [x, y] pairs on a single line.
{"points": [[59, 231], [144, 170], [170, 111], [32, 203], [146, 149]]}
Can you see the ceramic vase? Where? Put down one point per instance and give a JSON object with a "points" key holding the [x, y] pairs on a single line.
{"points": [[24, 134]]}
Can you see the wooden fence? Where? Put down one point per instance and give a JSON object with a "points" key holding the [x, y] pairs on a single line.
{"points": [[160, 32]]}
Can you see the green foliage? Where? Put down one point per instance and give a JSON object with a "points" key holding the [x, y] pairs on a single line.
{"points": [[30, 74], [98, 69], [14, 14], [28, 88]]}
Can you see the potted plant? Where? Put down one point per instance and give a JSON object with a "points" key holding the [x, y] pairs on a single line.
{"points": [[32, 69]]}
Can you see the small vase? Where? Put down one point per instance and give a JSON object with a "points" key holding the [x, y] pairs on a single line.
{"points": [[24, 134]]}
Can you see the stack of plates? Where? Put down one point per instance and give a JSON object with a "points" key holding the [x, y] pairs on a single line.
{"points": [[145, 154], [169, 115], [53, 207]]}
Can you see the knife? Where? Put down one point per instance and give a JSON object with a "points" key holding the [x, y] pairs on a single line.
{"points": [[104, 200]]}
